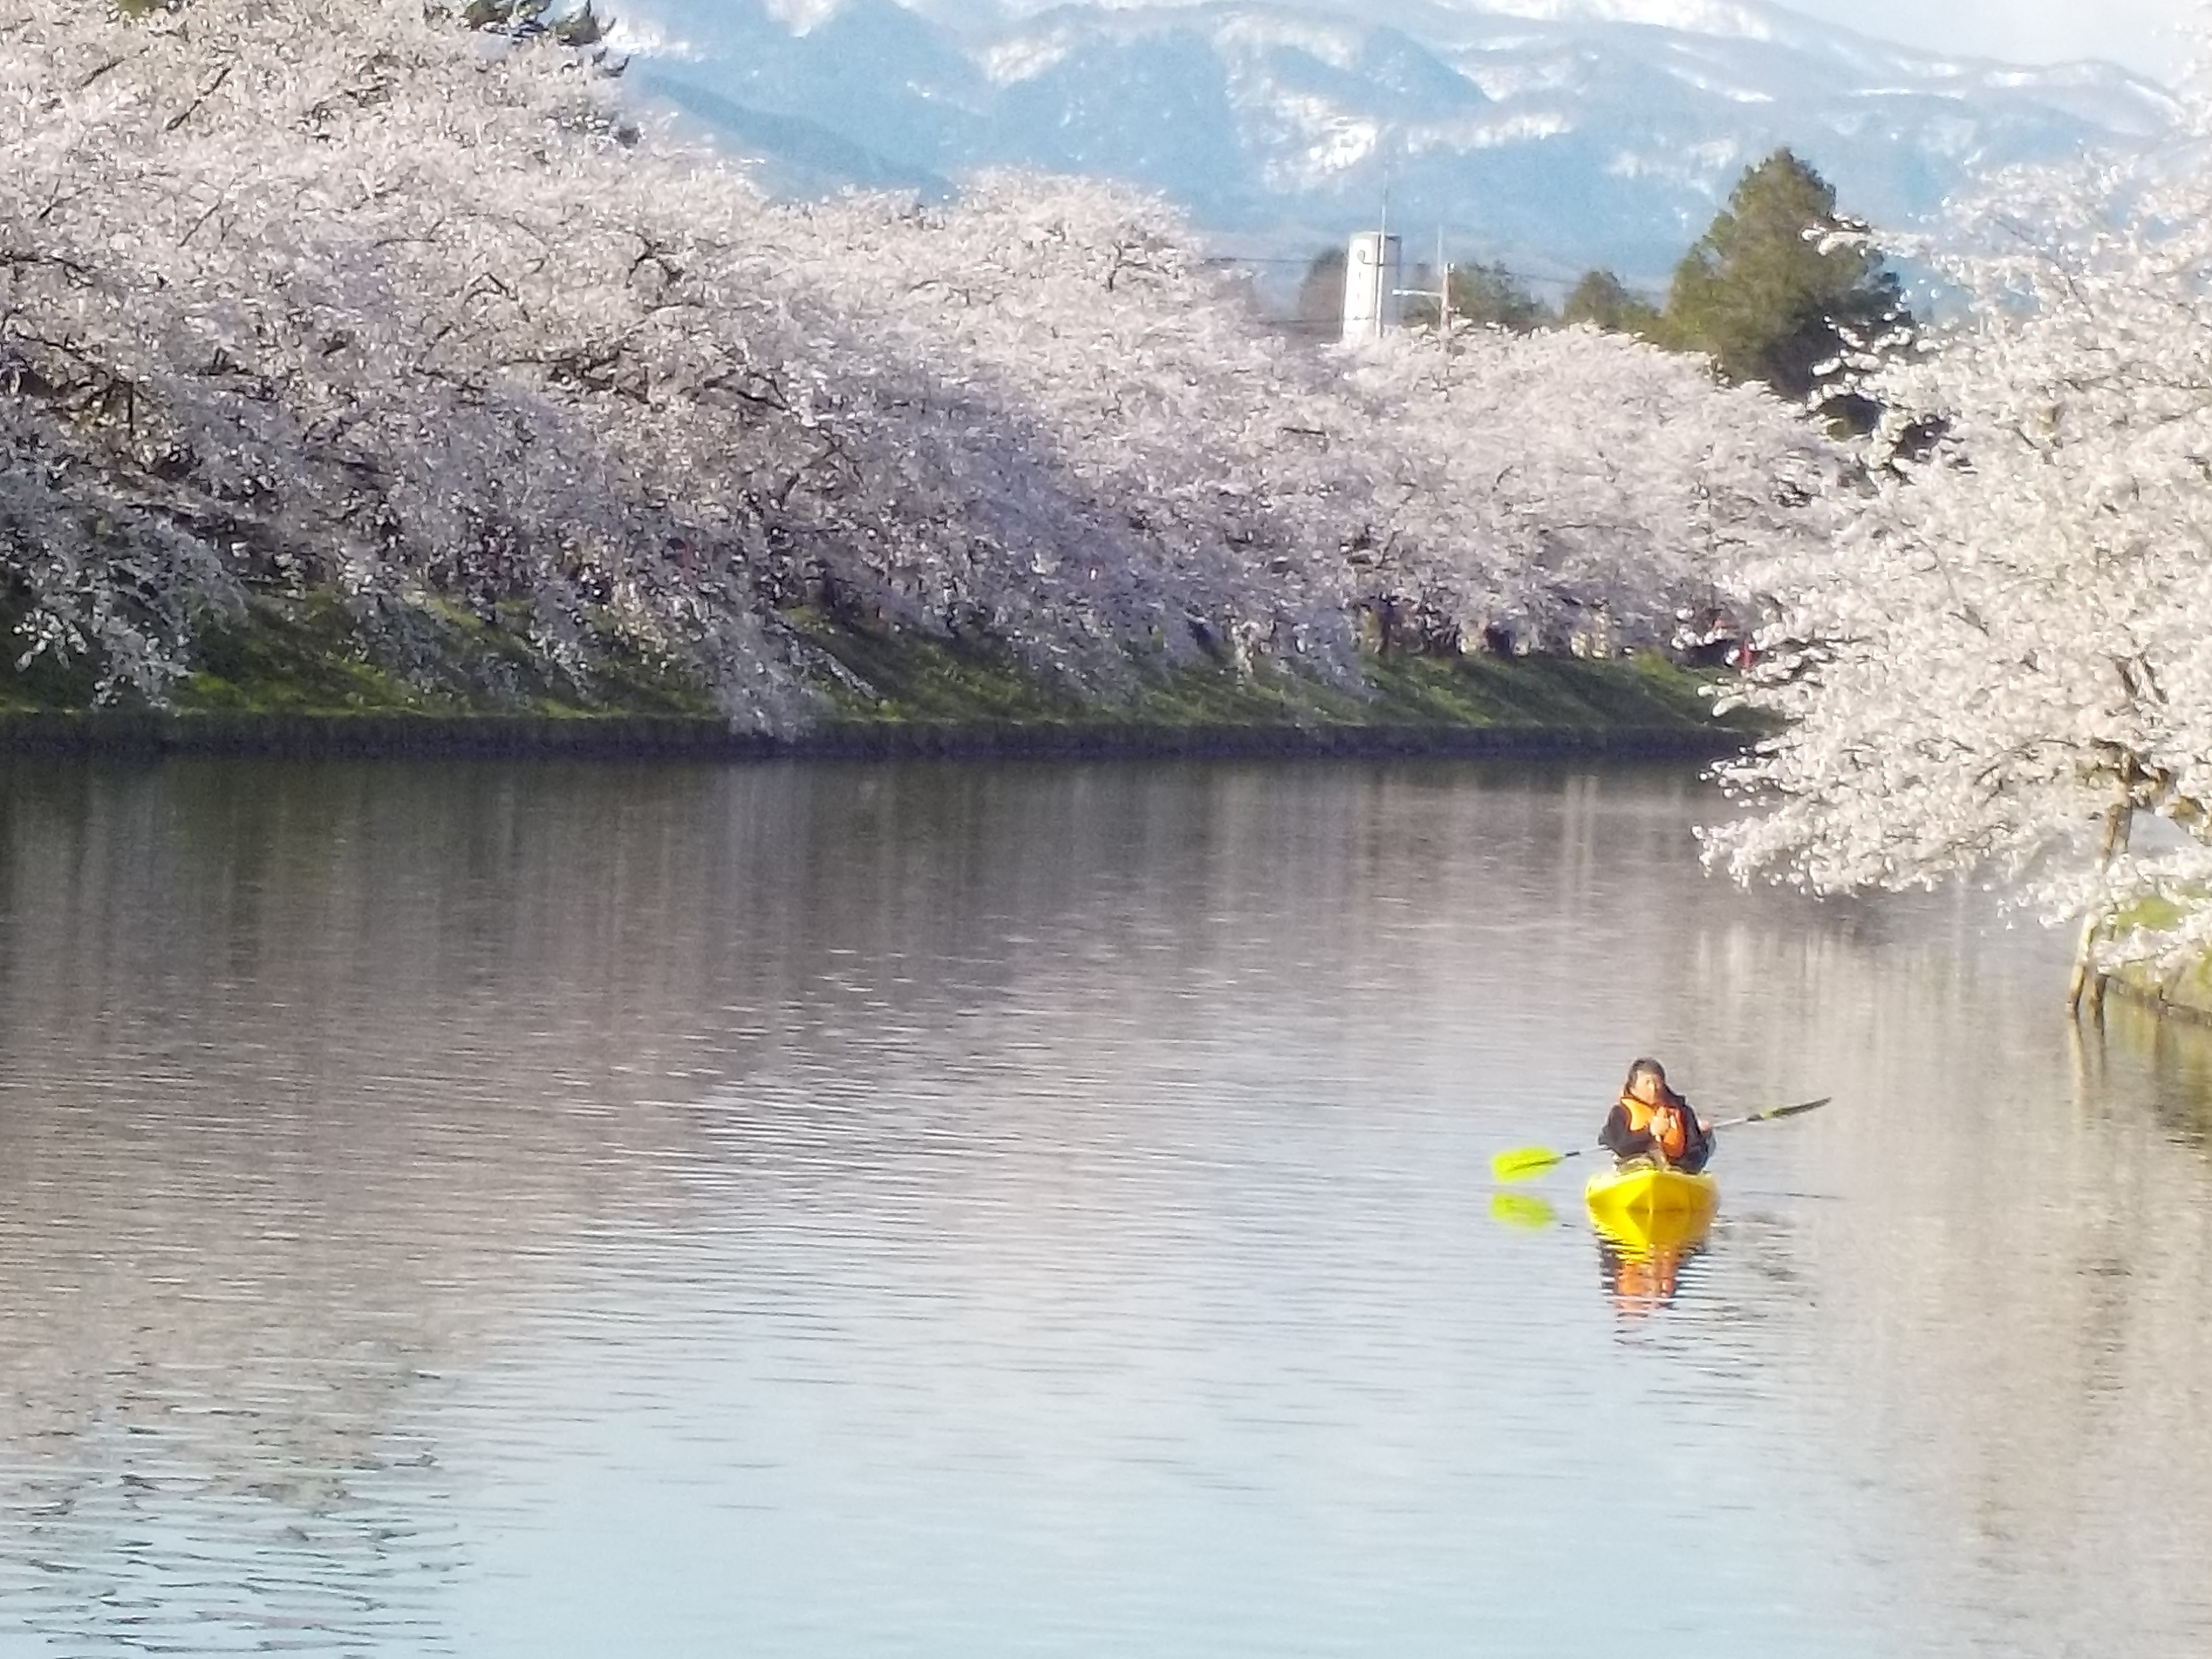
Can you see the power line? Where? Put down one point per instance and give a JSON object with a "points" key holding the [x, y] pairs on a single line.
{"points": [[1526, 277]]}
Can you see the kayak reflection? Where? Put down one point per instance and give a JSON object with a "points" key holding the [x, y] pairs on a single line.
{"points": [[1641, 1272], [1650, 1225]]}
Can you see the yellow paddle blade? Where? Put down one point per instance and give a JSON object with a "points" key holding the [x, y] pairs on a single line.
{"points": [[1523, 1162], [1521, 1210]]}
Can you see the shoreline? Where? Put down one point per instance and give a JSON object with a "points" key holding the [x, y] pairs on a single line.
{"points": [[2186, 996], [148, 735]]}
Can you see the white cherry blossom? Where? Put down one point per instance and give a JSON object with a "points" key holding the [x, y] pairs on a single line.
{"points": [[351, 300], [2000, 664]]}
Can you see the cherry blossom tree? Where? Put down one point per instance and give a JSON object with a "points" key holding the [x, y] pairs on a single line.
{"points": [[375, 304], [1998, 666]]}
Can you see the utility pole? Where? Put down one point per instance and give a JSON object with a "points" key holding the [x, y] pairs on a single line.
{"points": [[1382, 251], [1443, 288], [1441, 293]]}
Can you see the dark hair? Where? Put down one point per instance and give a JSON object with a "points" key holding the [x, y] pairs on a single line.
{"points": [[1638, 1067]]}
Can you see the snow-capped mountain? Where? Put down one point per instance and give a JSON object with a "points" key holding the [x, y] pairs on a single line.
{"points": [[1554, 135]]}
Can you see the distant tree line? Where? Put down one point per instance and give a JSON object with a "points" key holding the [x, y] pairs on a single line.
{"points": [[1781, 289]]}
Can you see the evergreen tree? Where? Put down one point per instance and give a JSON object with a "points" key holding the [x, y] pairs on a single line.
{"points": [[1483, 297], [1763, 297], [1603, 301], [1320, 308]]}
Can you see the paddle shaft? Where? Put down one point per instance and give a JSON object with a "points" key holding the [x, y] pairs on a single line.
{"points": [[1532, 1160], [1773, 1112]]}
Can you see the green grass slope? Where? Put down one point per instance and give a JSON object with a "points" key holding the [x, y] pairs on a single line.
{"points": [[290, 668]]}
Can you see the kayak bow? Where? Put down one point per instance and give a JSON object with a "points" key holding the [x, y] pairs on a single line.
{"points": [[1644, 1192]]}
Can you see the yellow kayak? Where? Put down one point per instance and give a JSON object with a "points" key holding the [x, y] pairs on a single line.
{"points": [[1651, 1208]]}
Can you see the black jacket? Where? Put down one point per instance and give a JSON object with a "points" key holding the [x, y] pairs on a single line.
{"points": [[1623, 1142]]}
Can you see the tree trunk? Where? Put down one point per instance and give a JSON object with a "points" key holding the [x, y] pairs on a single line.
{"points": [[2119, 820]]}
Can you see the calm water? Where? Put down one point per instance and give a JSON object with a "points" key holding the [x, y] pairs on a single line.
{"points": [[535, 1210]]}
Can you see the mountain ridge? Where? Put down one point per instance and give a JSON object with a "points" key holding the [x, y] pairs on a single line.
{"points": [[1554, 135]]}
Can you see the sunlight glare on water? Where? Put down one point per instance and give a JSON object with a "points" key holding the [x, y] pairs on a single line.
{"points": [[532, 1210]]}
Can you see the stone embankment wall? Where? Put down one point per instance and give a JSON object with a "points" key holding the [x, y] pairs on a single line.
{"points": [[2186, 993]]}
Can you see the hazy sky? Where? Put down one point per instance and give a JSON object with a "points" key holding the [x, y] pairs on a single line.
{"points": [[2136, 32]]}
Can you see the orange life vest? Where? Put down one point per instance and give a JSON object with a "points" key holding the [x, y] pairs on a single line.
{"points": [[1668, 1124]]}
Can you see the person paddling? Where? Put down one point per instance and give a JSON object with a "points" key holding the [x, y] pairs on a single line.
{"points": [[1650, 1120]]}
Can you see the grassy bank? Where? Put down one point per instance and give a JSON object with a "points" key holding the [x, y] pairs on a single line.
{"points": [[2187, 993], [2186, 990], [295, 677]]}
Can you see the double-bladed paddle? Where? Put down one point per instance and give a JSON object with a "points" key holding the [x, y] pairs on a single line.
{"points": [[1523, 1162]]}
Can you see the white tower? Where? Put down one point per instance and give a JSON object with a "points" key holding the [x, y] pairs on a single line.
{"points": [[1370, 285]]}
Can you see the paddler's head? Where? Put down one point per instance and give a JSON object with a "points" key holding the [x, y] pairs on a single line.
{"points": [[1647, 1082]]}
